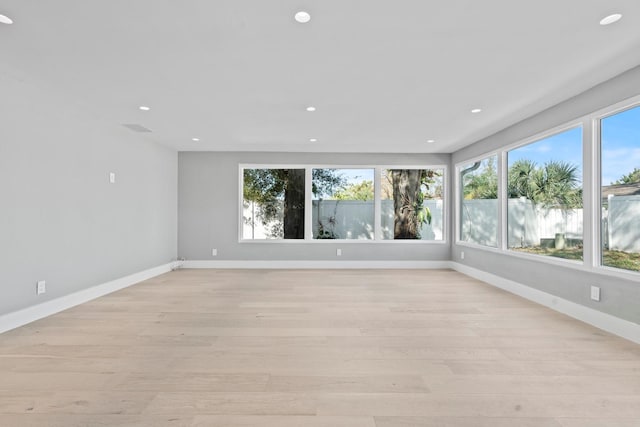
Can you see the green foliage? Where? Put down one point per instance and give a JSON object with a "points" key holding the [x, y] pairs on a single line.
{"points": [[523, 179], [423, 217], [554, 185], [325, 182], [632, 177], [423, 213], [261, 185], [410, 189], [266, 187], [620, 259], [617, 259], [566, 253], [360, 191], [482, 184]]}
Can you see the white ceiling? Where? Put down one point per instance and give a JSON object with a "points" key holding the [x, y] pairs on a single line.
{"points": [[385, 76]]}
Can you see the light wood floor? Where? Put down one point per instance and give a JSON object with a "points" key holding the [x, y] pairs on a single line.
{"points": [[326, 348]]}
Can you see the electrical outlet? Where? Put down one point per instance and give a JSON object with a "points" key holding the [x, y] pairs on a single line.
{"points": [[462, 255], [214, 252], [338, 252], [595, 293], [41, 288]]}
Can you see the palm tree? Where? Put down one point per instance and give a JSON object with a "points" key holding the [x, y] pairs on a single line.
{"points": [[523, 180], [554, 185]]}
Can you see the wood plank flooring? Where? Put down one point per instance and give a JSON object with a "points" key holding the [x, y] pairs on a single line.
{"points": [[318, 348]]}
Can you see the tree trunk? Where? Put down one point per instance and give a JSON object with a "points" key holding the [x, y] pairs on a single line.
{"points": [[406, 185], [294, 204]]}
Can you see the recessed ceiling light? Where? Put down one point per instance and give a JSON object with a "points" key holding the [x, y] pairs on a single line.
{"points": [[610, 19], [144, 108], [430, 141], [311, 108], [195, 139], [303, 17], [5, 20], [313, 140], [476, 110]]}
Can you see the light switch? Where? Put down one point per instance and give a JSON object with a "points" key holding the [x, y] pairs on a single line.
{"points": [[112, 177]]}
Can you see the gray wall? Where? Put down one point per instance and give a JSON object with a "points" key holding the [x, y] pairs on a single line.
{"points": [[60, 219], [208, 210], [619, 296]]}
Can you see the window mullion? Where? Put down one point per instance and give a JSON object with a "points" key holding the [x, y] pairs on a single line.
{"points": [[308, 203], [377, 210]]}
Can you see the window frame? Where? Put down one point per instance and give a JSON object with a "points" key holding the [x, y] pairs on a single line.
{"points": [[377, 235], [592, 190], [309, 195], [240, 204], [445, 204], [459, 196], [597, 244], [574, 124]]}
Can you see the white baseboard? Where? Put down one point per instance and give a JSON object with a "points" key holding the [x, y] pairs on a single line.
{"points": [[604, 321], [264, 264], [607, 322], [27, 315]]}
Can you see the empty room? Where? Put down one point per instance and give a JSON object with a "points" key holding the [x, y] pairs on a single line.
{"points": [[320, 213]]}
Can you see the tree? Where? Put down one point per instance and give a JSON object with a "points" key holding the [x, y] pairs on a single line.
{"points": [[554, 185], [484, 184], [325, 181], [522, 180], [632, 177], [269, 188], [559, 186], [280, 195], [293, 220], [360, 191], [408, 198]]}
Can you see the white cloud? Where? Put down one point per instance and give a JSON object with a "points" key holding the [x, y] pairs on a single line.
{"points": [[618, 162], [544, 148]]}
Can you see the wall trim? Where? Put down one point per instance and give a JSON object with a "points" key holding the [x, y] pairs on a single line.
{"points": [[19, 318], [300, 264], [599, 319], [604, 321]]}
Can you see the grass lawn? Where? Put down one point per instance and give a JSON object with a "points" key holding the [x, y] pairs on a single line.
{"points": [[616, 259]]}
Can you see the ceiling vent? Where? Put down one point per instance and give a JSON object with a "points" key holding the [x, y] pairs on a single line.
{"points": [[136, 127]]}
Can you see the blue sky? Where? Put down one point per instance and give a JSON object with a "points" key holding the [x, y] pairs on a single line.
{"points": [[356, 176], [565, 146], [620, 146], [620, 149], [352, 176]]}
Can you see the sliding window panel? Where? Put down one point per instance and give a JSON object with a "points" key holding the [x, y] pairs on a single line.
{"points": [[620, 190], [478, 216], [412, 204], [273, 204], [544, 196], [343, 204]]}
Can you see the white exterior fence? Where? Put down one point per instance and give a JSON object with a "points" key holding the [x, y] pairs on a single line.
{"points": [[530, 225], [346, 219], [622, 225]]}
